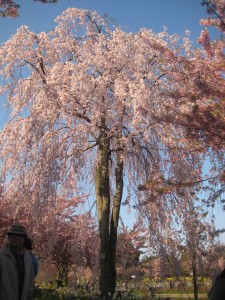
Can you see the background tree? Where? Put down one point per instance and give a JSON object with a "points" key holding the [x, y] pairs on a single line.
{"points": [[5, 214], [131, 243], [201, 93], [177, 219], [202, 82], [61, 232], [215, 253], [76, 245], [9, 8]]}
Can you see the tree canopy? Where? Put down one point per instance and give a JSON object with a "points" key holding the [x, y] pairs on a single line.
{"points": [[93, 106]]}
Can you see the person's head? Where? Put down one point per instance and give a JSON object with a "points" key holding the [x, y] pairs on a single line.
{"points": [[28, 243], [16, 235], [221, 262]]}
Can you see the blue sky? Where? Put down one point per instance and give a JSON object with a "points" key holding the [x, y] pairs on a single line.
{"points": [[177, 15]]}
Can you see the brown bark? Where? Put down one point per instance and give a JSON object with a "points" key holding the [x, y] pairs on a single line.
{"points": [[103, 207], [115, 215], [195, 277], [107, 229]]}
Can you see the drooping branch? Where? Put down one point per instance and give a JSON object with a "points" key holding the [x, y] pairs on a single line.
{"points": [[212, 9]]}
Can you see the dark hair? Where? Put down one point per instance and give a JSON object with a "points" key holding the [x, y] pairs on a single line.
{"points": [[27, 243]]}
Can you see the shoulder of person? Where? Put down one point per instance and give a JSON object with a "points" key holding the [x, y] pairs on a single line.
{"points": [[5, 250], [220, 286], [33, 256], [222, 275], [221, 281], [27, 253], [218, 291]]}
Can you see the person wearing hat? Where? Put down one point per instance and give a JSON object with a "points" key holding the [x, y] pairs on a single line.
{"points": [[16, 268], [217, 291]]}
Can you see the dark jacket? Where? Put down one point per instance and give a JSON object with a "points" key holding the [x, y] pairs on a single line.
{"points": [[9, 276], [217, 291]]}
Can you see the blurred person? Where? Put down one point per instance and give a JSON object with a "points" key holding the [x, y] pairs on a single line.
{"points": [[16, 267], [217, 291], [28, 245]]}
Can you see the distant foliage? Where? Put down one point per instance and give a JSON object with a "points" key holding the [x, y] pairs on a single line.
{"points": [[10, 9]]}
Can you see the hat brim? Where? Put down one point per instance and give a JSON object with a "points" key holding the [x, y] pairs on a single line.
{"points": [[16, 233]]}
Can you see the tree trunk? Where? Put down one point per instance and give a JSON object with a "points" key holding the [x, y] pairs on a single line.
{"points": [[195, 277], [103, 208], [115, 214], [107, 229]]}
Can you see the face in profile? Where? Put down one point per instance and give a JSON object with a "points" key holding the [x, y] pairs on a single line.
{"points": [[221, 263]]}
